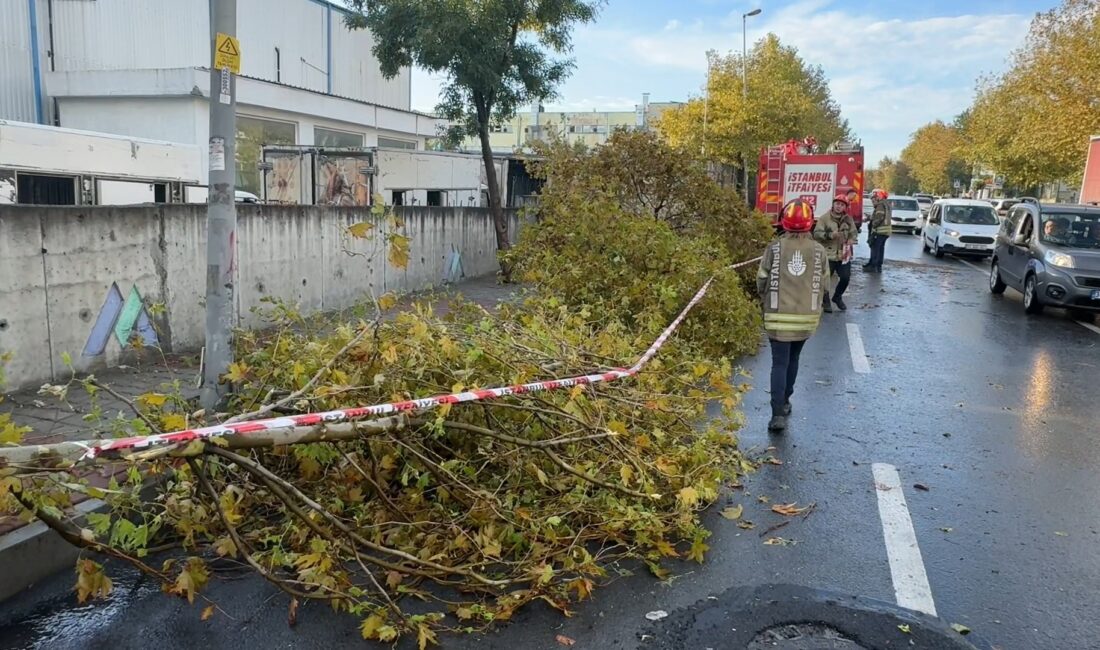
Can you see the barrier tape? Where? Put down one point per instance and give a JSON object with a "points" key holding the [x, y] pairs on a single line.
{"points": [[96, 447]]}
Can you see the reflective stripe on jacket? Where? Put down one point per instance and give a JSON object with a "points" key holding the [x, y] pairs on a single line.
{"points": [[881, 217], [791, 282]]}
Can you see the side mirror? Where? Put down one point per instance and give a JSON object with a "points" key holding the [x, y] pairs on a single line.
{"points": [[1020, 240]]}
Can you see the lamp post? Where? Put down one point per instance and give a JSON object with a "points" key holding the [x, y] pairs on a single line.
{"points": [[745, 92]]}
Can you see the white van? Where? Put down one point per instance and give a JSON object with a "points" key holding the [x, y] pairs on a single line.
{"points": [[961, 227], [905, 214]]}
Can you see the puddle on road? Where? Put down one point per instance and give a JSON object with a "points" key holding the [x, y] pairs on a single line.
{"points": [[60, 622]]}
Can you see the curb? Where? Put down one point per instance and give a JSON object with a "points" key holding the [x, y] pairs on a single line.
{"points": [[33, 552], [737, 619]]}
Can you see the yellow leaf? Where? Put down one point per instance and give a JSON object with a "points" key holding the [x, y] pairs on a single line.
{"points": [[238, 372], [698, 550], [688, 498], [491, 549], [666, 549], [207, 612], [789, 510], [390, 354], [425, 636], [225, 547], [399, 251], [173, 422], [733, 513], [626, 473], [219, 441], [387, 301], [360, 230], [153, 399], [371, 625]]}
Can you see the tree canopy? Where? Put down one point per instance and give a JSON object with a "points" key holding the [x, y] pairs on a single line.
{"points": [[787, 98], [933, 155], [1032, 123], [894, 176]]}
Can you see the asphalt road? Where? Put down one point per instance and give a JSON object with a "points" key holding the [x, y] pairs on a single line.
{"points": [[990, 411]]}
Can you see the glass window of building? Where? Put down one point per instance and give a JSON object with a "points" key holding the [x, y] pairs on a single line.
{"points": [[252, 134], [332, 138], [392, 143]]}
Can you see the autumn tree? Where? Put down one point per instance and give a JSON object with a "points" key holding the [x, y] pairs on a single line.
{"points": [[787, 98], [1032, 123], [933, 155], [894, 176], [496, 55]]}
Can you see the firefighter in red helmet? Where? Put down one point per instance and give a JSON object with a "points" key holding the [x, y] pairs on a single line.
{"points": [[879, 231], [836, 231], [791, 281]]}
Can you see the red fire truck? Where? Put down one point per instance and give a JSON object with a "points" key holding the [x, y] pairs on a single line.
{"points": [[796, 170], [1090, 184]]}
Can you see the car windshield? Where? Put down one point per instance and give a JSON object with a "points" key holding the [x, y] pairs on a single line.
{"points": [[904, 204], [1005, 205], [970, 215], [924, 201], [1071, 229]]}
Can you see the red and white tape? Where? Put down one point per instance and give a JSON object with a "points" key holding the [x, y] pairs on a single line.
{"points": [[97, 447]]}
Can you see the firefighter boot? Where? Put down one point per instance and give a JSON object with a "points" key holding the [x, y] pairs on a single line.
{"points": [[827, 305], [778, 423]]}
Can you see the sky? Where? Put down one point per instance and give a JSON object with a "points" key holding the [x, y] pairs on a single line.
{"points": [[893, 65]]}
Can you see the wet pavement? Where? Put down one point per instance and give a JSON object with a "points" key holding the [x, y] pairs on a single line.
{"points": [[988, 410]]}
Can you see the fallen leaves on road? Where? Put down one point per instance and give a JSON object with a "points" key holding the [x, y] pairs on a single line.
{"points": [[960, 628], [905, 629], [746, 525], [656, 615], [779, 541], [947, 529], [564, 640], [763, 499], [921, 486], [207, 613], [773, 461], [733, 513], [790, 509], [1061, 534]]}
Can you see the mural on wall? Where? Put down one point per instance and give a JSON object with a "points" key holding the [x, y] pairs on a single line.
{"points": [[122, 318], [341, 181]]}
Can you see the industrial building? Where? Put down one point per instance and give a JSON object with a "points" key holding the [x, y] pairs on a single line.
{"points": [[140, 68]]}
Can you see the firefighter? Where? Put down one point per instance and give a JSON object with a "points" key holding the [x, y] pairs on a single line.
{"points": [[878, 231], [836, 231], [791, 283]]}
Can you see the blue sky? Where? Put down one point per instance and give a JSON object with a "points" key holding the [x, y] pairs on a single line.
{"points": [[893, 66]]}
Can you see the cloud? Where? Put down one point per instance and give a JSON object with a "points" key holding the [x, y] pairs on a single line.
{"points": [[889, 75]]}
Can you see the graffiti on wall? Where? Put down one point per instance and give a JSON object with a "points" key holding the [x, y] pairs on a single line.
{"points": [[123, 318]]}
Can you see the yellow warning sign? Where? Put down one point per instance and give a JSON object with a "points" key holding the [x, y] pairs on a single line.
{"points": [[227, 53]]}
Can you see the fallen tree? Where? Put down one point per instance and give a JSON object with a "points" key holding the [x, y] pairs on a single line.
{"points": [[470, 510]]}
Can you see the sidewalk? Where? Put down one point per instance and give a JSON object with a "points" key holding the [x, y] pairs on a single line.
{"points": [[55, 421]]}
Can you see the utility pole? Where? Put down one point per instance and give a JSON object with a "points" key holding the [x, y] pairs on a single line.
{"points": [[745, 93], [221, 207]]}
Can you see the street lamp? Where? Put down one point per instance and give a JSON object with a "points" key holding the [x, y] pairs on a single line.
{"points": [[745, 92]]}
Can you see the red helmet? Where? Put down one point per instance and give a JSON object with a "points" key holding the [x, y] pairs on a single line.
{"points": [[879, 194], [798, 216], [843, 198]]}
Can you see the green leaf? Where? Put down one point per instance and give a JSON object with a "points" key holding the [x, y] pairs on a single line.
{"points": [[733, 513], [960, 628]]}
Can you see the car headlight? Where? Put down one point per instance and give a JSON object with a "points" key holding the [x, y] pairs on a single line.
{"points": [[1059, 259], [951, 233]]}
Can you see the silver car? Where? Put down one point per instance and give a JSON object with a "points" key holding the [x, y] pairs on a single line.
{"points": [[1050, 253]]}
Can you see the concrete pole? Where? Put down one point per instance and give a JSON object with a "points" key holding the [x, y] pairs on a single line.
{"points": [[221, 214]]}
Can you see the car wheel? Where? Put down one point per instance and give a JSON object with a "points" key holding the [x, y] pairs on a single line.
{"points": [[1032, 305], [936, 250], [996, 284], [924, 241]]}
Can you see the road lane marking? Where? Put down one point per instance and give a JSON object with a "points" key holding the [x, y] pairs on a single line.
{"points": [[911, 587], [975, 267], [859, 356], [1089, 325]]}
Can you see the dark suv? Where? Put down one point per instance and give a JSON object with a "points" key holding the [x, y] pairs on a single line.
{"points": [[1050, 253]]}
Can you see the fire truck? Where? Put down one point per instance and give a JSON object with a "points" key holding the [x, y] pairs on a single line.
{"points": [[797, 170], [1090, 183]]}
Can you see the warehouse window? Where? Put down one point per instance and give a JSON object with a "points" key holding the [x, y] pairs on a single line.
{"points": [[39, 189], [333, 138], [252, 134], [391, 143]]}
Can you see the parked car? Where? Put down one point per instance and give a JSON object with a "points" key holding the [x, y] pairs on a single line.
{"points": [[925, 202], [1051, 254], [961, 227], [1002, 206], [905, 214]]}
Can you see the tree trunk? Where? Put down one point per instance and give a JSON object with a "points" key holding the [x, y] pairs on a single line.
{"points": [[496, 208]]}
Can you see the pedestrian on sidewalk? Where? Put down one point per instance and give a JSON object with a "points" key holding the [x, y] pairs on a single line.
{"points": [[791, 283], [879, 231], [836, 232]]}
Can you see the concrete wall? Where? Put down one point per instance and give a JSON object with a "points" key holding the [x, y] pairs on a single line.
{"points": [[58, 267]]}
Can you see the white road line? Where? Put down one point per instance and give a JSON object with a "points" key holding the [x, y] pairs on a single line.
{"points": [[975, 267], [906, 565], [859, 356], [1089, 325]]}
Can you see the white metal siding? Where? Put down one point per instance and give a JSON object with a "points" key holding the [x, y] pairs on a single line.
{"points": [[16, 65], [356, 72], [297, 28], [130, 34]]}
